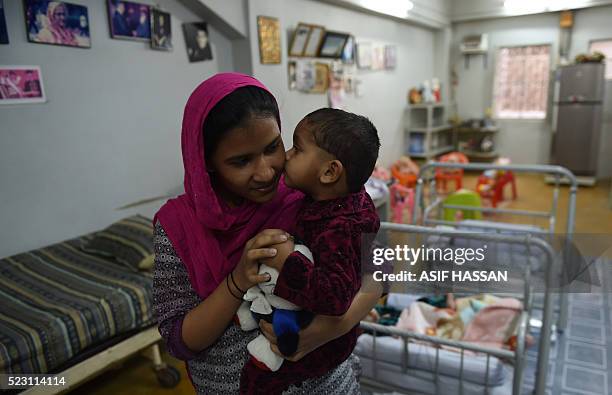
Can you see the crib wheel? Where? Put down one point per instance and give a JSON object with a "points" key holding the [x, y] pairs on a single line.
{"points": [[168, 376]]}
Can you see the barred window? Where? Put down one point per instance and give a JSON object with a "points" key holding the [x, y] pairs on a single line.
{"points": [[521, 82], [605, 47]]}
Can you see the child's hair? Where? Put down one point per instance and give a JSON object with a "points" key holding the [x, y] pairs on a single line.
{"points": [[233, 110], [351, 138]]}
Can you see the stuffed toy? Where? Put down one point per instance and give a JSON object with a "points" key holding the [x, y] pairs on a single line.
{"points": [[286, 318]]}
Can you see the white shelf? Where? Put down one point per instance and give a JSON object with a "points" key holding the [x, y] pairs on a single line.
{"points": [[433, 129], [432, 153]]}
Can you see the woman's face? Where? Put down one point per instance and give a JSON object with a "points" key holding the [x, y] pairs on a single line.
{"points": [[201, 39], [59, 15], [248, 162]]}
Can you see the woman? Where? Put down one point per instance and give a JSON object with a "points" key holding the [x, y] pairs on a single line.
{"points": [[207, 242], [56, 31]]}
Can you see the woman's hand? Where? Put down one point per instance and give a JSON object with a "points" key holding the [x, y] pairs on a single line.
{"points": [[246, 273], [322, 329], [283, 251]]}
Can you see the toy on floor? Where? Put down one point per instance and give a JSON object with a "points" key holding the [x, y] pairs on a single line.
{"points": [[445, 174], [462, 197], [405, 171], [402, 199], [491, 183], [287, 319]]}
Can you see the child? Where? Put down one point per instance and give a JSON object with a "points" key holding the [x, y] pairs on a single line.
{"points": [[333, 155]]}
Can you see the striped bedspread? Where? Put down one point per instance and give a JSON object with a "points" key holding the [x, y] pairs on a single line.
{"points": [[57, 301]]}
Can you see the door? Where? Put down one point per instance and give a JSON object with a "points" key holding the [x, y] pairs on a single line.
{"points": [[577, 137]]}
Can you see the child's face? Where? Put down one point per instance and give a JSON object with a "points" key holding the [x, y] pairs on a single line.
{"points": [[304, 160]]}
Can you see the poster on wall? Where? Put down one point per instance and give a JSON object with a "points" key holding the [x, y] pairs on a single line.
{"points": [[57, 23], [3, 30], [268, 31], [378, 57], [197, 42], [128, 20], [390, 57], [364, 55], [21, 85], [305, 76], [161, 36]]}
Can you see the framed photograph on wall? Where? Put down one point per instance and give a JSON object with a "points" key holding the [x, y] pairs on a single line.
{"points": [[197, 42], [292, 75], [333, 44], [21, 85], [315, 38], [390, 57], [321, 82], [128, 20], [378, 57], [4, 39], [268, 30], [57, 23], [300, 38], [348, 52], [161, 30], [364, 55]]}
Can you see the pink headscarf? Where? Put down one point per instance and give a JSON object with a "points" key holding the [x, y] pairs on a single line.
{"points": [[208, 236]]}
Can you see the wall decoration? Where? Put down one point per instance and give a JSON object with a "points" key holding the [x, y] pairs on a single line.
{"points": [[57, 23], [292, 74], [390, 57], [196, 40], [321, 78], [21, 84], [305, 76], [333, 44], [300, 38], [315, 38], [348, 52], [364, 55], [378, 57], [161, 30], [268, 30], [129, 20], [4, 39]]}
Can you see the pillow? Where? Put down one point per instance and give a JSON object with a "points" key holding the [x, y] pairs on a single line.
{"points": [[129, 241]]}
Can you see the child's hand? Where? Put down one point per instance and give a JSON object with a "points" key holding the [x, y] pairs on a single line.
{"points": [[283, 251]]}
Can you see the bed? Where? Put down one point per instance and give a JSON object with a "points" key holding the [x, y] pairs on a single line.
{"points": [[74, 313]]}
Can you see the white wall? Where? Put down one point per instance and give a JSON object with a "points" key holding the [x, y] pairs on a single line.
{"points": [[108, 135], [385, 92], [526, 141]]}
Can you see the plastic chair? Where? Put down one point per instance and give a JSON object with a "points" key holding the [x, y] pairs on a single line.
{"points": [[463, 197], [443, 175], [492, 187], [402, 199]]}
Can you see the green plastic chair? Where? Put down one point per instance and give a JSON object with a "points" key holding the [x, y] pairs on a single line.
{"points": [[462, 197]]}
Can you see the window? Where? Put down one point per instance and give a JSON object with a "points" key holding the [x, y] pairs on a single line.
{"points": [[521, 82], [605, 47]]}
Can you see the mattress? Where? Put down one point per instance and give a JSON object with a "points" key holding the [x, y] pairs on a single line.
{"points": [[58, 301]]}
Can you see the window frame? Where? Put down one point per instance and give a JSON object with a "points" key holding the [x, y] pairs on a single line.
{"points": [[551, 47]]}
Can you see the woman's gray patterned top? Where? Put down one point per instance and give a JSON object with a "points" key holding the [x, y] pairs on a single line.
{"points": [[217, 369]]}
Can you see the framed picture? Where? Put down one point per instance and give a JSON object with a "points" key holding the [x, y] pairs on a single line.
{"points": [[300, 38], [57, 23], [315, 38], [292, 74], [197, 42], [333, 44], [390, 57], [378, 57], [348, 52], [4, 39], [161, 30], [21, 84], [128, 20], [321, 82], [305, 76], [268, 30], [364, 55]]}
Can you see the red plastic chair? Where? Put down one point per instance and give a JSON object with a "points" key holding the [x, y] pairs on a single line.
{"points": [[443, 175], [493, 188]]}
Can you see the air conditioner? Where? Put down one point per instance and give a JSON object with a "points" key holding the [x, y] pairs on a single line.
{"points": [[477, 43]]}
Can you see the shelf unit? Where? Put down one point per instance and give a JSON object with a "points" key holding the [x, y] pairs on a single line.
{"points": [[428, 133], [469, 132]]}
